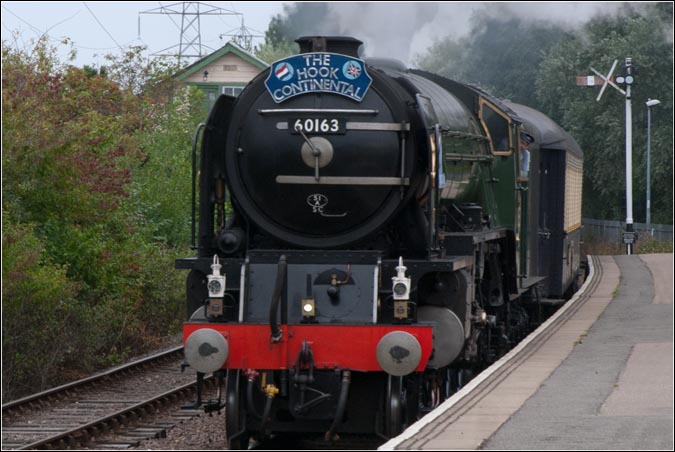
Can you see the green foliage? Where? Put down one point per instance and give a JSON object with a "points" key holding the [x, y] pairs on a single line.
{"points": [[65, 135], [647, 244], [270, 53], [161, 188], [96, 192], [35, 292], [599, 127], [536, 63], [283, 29], [498, 54], [142, 76]]}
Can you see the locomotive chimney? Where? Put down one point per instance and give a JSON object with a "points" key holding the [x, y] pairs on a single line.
{"points": [[333, 44]]}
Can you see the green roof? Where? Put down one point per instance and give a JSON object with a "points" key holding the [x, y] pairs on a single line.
{"points": [[230, 47]]}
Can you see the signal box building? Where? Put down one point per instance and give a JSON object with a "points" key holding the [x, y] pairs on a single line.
{"points": [[225, 71]]}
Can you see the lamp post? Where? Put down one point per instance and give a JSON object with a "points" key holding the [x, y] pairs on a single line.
{"points": [[650, 103]]}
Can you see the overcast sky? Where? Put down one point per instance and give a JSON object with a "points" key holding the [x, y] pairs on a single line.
{"points": [[400, 30], [99, 28]]}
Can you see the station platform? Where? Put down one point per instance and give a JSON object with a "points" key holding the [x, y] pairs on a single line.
{"points": [[602, 381]]}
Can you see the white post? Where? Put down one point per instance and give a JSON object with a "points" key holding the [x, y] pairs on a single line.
{"points": [[650, 104], [629, 170], [649, 127], [628, 79], [629, 161]]}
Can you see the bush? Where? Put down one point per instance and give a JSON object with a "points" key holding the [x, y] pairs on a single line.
{"points": [[38, 302], [96, 194]]}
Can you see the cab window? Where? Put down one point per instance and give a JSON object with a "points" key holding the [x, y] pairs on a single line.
{"points": [[497, 125]]}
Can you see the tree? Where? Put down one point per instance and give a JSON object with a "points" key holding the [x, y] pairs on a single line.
{"points": [[599, 127], [500, 53], [96, 194], [305, 18], [36, 289], [537, 63], [270, 53]]}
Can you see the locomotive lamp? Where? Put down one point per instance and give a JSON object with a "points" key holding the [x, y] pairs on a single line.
{"points": [[216, 288], [308, 304], [216, 281], [308, 307], [401, 291], [401, 284]]}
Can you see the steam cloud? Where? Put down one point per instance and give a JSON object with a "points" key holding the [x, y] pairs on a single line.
{"points": [[404, 30]]}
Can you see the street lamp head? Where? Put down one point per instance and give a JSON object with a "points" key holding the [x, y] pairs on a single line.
{"points": [[652, 102]]}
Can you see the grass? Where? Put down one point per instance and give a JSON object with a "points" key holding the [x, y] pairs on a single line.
{"points": [[581, 338], [645, 245], [616, 292]]}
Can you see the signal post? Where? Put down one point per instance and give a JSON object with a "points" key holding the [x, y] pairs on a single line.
{"points": [[627, 78]]}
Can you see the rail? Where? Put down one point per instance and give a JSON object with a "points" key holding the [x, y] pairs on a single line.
{"points": [[76, 384], [81, 434], [73, 414]]}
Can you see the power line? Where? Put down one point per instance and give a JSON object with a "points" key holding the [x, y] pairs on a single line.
{"points": [[171, 18], [35, 29], [41, 34], [13, 34], [243, 36], [102, 48], [104, 29], [190, 31]]}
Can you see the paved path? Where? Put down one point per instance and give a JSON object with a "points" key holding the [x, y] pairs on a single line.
{"points": [[604, 380], [615, 390]]}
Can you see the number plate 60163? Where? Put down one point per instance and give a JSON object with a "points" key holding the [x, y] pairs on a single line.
{"points": [[318, 125]]}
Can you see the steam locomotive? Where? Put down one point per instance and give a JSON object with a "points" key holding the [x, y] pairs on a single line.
{"points": [[368, 237]]}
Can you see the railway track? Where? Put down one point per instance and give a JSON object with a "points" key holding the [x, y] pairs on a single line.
{"points": [[112, 406], [121, 407]]}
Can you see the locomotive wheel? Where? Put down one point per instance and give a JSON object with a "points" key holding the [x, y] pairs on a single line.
{"points": [[235, 412], [394, 410]]}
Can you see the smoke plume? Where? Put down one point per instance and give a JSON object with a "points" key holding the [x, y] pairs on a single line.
{"points": [[404, 30]]}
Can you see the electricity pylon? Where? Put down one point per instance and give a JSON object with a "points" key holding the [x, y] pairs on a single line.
{"points": [[190, 45]]}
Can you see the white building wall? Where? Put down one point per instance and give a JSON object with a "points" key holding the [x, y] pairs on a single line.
{"points": [[227, 69]]}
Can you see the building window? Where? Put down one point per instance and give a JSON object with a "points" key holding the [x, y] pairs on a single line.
{"points": [[229, 67], [232, 90]]}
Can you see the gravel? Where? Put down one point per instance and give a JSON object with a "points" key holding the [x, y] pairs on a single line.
{"points": [[201, 431], [205, 432]]}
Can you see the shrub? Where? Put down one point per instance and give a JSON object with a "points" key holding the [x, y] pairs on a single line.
{"points": [[96, 192]]}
